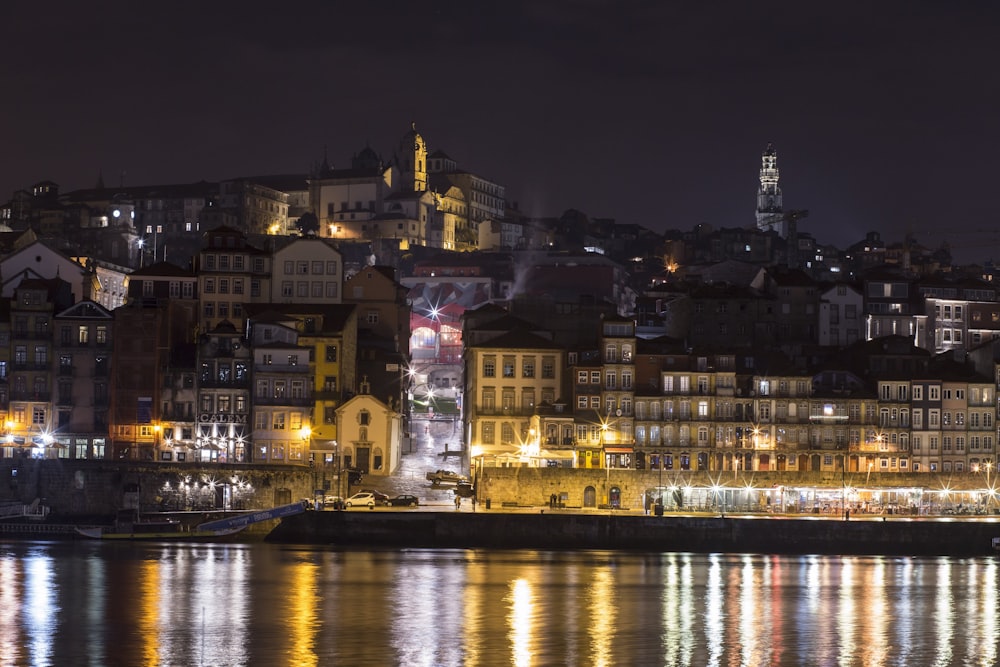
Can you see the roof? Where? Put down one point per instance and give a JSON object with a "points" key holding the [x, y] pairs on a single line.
{"points": [[518, 340]]}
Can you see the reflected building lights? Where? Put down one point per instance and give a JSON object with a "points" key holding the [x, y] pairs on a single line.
{"points": [[10, 593], [987, 653], [521, 622], [944, 613], [147, 613], [42, 608], [301, 614], [196, 605], [600, 598], [905, 613], [874, 650], [753, 648], [847, 612], [714, 611]]}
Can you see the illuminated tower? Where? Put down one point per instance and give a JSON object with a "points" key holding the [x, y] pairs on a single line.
{"points": [[411, 157], [769, 211]]}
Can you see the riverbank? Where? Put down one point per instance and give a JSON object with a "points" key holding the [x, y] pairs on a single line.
{"points": [[553, 530]]}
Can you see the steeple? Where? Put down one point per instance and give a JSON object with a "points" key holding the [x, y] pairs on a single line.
{"points": [[412, 160], [769, 210]]}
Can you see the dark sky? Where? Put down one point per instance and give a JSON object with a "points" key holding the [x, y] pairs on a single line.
{"points": [[884, 114]]}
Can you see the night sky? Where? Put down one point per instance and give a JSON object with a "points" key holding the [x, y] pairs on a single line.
{"points": [[884, 115]]}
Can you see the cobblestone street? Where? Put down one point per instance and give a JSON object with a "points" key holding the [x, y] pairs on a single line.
{"points": [[425, 452]]}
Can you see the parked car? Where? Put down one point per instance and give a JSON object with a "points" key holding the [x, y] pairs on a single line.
{"points": [[380, 498], [362, 499], [465, 490], [404, 500], [333, 502], [446, 476]]}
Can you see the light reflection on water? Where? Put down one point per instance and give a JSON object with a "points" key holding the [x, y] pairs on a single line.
{"points": [[151, 605]]}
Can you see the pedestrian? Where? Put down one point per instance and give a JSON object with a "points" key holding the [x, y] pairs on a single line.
{"points": [[458, 502]]}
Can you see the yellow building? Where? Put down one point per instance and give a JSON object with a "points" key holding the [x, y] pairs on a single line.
{"points": [[507, 378]]}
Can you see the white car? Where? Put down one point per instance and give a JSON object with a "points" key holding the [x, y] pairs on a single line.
{"points": [[363, 499]]}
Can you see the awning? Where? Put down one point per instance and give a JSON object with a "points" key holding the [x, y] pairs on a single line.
{"points": [[566, 454], [619, 450]]}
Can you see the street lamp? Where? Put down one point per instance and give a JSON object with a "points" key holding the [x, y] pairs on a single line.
{"points": [[304, 433]]}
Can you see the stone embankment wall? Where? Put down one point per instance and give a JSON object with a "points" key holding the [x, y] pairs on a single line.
{"points": [[83, 488], [535, 486], [79, 488], [571, 530]]}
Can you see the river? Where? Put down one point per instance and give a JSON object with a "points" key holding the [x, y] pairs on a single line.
{"points": [[135, 604]]}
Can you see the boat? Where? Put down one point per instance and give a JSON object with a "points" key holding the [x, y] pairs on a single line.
{"points": [[131, 526]]}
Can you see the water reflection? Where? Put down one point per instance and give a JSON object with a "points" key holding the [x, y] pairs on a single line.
{"points": [[157, 605]]}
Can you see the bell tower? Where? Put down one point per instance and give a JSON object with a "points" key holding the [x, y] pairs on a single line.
{"points": [[412, 160], [769, 210]]}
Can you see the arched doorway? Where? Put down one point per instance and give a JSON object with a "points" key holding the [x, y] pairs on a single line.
{"points": [[815, 463], [781, 462], [589, 497], [615, 497]]}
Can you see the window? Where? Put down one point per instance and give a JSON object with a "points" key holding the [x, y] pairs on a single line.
{"points": [[528, 368], [83, 334], [331, 353], [508, 367], [489, 367]]}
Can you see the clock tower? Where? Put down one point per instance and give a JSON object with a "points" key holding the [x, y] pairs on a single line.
{"points": [[769, 211]]}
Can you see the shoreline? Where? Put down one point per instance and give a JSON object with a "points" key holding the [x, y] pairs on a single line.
{"points": [[616, 530], [901, 536]]}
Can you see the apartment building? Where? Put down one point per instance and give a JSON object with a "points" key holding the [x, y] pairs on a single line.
{"points": [[231, 272], [282, 394], [507, 378]]}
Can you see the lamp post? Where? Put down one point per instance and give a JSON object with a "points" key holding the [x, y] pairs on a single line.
{"points": [[304, 433]]}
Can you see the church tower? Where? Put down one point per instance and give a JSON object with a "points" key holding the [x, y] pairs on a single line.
{"points": [[769, 211], [411, 157]]}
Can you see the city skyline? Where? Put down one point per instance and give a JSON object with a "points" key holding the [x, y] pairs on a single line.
{"points": [[880, 115]]}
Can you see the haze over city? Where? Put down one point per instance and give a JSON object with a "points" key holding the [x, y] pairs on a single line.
{"points": [[881, 113]]}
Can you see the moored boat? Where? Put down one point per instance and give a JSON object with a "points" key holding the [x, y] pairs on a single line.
{"points": [[146, 528]]}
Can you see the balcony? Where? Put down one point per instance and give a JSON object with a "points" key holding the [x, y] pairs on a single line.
{"points": [[504, 412], [303, 402], [32, 366], [294, 369], [212, 383], [67, 371], [40, 396]]}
